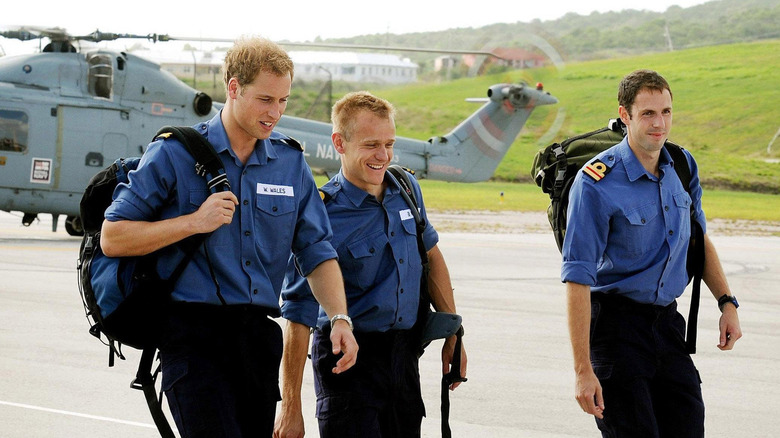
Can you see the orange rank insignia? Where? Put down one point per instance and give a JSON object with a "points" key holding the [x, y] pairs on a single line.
{"points": [[596, 170]]}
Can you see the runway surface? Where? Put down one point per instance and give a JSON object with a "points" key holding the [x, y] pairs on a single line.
{"points": [[55, 382]]}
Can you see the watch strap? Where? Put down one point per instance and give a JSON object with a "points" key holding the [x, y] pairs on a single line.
{"points": [[725, 299]]}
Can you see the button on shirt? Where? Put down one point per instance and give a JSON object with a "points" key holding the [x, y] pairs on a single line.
{"points": [[279, 210], [629, 232], [377, 247]]}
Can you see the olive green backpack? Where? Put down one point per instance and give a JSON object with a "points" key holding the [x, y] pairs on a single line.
{"points": [[555, 167]]}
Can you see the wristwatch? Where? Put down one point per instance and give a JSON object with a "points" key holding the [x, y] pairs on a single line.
{"points": [[726, 298], [344, 318]]}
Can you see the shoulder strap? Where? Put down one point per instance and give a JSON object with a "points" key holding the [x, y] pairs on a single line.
{"points": [[453, 376], [407, 193], [207, 162], [695, 259], [144, 381], [680, 164]]}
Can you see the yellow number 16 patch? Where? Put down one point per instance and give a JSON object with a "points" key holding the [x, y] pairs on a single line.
{"points": [[596, 170]]}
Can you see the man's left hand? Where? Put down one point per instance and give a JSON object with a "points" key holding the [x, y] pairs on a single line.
{"points": [[730, 331], [344, 342], [447, 352]]}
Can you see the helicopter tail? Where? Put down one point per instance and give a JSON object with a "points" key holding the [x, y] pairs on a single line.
{"points": [[472, 151]]}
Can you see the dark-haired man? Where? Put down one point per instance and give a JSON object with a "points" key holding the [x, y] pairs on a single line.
{"points": [[624, 265]]}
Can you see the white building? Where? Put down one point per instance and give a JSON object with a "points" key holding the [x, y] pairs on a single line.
{"points": [[354, 67], [340, 66]]}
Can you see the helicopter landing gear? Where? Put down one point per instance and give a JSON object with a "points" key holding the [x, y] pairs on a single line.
{"points": [[28, 219], [73, 226]]}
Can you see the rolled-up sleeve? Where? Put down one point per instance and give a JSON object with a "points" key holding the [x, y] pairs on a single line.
{"points": [[587, 230], [148, 188], [312, 241], [299, 304]]}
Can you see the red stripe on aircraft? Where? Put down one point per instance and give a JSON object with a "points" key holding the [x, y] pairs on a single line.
{"points": [[482, 146], [491, 127]]}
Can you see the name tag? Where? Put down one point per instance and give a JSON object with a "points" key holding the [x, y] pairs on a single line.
{"points": [[406, 214], [273, 190]]}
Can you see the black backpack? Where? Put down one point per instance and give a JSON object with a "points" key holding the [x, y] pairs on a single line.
{"points": [[555, 167], [124, 298]]}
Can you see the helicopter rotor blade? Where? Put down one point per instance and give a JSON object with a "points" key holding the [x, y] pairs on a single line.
{"points": [[98, 36], [166, 37], [26, 33]]}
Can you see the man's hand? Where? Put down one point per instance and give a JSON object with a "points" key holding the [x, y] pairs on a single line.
{"points": [[343, 343], [217, 210], [289, 424], [447, 351], [730, 330], [589, 395]]}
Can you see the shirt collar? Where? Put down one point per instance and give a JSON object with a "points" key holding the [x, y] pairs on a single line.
{"points": [[356, 195], [634, 169], [264, 149]]}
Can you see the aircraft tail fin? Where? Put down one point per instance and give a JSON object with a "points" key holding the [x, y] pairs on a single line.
{"points": [[472, 151]]}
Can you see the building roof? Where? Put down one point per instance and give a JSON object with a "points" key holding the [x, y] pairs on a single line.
{"points": [[317, 57], [299, 57]]}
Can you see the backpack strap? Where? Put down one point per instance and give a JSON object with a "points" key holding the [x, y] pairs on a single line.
{"points": [[453, 376], [144, 380], [207, 162], [407, 193], [695, 258]]}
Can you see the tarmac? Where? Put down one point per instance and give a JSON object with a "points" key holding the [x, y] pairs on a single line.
{"points": [[55, 382]]}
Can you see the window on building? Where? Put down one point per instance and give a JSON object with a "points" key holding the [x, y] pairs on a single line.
{"points": [[13, 131]]}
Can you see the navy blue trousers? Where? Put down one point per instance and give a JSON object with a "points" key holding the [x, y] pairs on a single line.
{"points": [[379, 397], [220, 370], [650, 384]]}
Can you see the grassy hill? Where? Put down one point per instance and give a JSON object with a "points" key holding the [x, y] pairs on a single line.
{"points": [[725, 109]]}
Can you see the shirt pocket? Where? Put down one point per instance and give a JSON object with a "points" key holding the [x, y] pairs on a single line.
{"points": [[218, 237], [197, 198], [274, 221], [364, 259], [642, 231], [683, 202], [410, 226]]}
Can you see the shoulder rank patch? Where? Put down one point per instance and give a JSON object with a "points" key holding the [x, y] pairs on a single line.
{"points": [[325, 196], [293, 143], [596, 170], [164, 135]]}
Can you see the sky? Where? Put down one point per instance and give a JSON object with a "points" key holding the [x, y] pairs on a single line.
{"points": [[292, 20]]}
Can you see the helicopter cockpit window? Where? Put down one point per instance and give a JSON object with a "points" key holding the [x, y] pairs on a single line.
{"points": [[13, 131], [100, 75]]}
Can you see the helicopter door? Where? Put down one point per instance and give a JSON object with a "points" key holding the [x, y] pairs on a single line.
{"points": [[91, 139]]}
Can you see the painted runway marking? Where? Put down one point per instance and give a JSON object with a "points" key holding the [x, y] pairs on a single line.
{"points": [[77, 414]]}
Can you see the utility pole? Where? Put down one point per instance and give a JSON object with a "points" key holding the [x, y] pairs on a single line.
{"points": [[668, 37]]}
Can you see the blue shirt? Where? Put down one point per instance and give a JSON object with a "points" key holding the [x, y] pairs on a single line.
{"points": [[629, 232], [279, 210], [377, 247]]}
